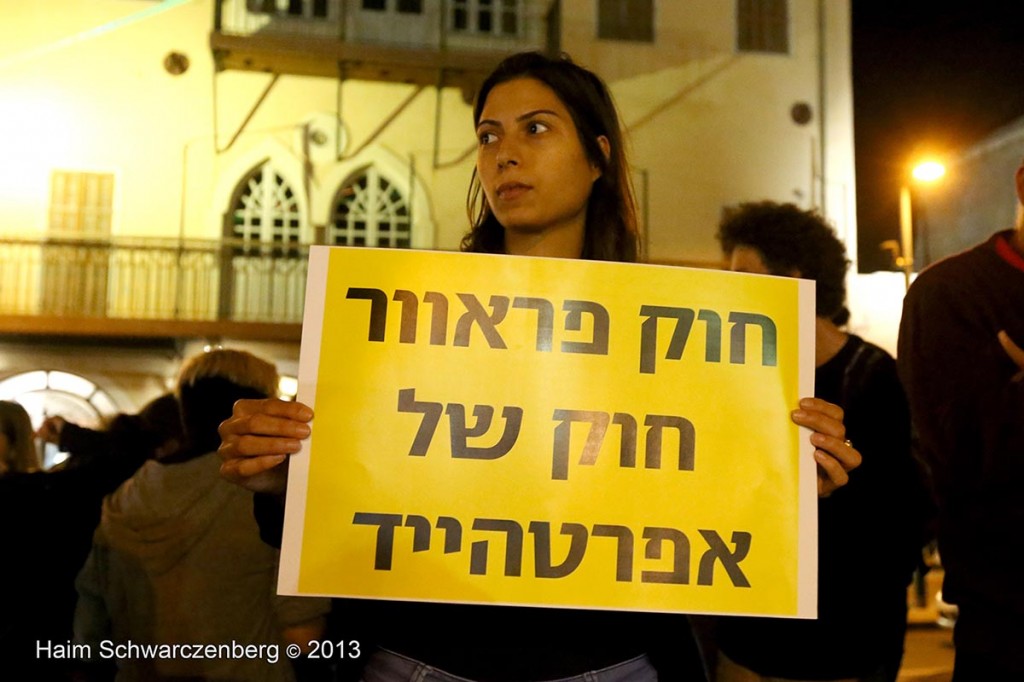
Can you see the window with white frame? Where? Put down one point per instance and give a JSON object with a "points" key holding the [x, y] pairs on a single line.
{"points": [[81, 203], [263, 268], [762, 26], [266, 209], [370, 210], [626, 20], [488, 17]]}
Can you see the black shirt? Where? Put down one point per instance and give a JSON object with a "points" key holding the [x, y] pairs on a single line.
{"points": [[869, 532]]}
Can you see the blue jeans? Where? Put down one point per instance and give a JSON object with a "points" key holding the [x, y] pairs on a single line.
{"points": [[387, 666]]}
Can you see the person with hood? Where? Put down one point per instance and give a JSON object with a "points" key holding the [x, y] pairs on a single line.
{"points": [[177, 558]]}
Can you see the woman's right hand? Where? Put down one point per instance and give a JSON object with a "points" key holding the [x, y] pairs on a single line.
{"points": [[257, 440]]}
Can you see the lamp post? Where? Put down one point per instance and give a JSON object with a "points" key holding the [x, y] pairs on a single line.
{"points": [[927, 171]]}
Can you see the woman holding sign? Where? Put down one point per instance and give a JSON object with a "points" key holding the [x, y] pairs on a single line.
{"points": [[551, 180]]}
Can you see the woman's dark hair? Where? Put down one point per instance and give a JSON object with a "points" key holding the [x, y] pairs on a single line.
{"points": [[155, 425], [789, 239], [16, 426], [611, 229]]}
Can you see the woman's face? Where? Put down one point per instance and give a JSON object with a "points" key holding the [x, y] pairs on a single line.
{"points": [[748, 259], [534, 171]]}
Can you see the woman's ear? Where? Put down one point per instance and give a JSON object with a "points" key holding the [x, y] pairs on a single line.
{"points": [[606, 151]]}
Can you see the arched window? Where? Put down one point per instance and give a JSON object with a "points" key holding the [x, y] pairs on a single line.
{"points": [[266, 209], [369, 210], [263, 273], [51, 393]]}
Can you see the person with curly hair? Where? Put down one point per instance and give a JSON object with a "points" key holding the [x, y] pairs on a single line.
{"points": [[870, 532]]}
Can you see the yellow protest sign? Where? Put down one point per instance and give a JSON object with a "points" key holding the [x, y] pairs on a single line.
{"points": [[509, 430]]}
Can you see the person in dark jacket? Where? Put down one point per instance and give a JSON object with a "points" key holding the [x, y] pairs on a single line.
{"points": [[961, 362]]}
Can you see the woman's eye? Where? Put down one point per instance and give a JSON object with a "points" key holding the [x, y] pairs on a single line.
{"points": [[537, 127], [487, 138]]}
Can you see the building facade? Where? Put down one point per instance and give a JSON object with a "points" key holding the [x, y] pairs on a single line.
{"points": [[169, 163]]}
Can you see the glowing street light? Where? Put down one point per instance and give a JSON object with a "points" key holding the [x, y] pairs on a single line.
{"points": [[927, 171]]}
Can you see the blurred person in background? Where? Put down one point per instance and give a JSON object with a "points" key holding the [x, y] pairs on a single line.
{"points": [[51, 518], [870, 532], [18, 452], [114, 453], [177, 556]]}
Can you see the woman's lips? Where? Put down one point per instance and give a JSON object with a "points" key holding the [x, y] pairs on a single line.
{"points": [[509, 191]]}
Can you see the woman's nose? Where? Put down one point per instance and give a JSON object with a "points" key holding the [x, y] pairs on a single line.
{"points": [[507, 155]]}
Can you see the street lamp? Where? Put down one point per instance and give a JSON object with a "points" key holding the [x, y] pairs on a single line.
{"points": [[927, 171]]}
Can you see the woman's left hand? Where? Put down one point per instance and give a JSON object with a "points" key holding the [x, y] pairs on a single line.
{"points": [[834, 454]]}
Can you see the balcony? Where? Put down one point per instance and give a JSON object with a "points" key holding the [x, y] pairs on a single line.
{"points": [[410, 41], [135, 287]]}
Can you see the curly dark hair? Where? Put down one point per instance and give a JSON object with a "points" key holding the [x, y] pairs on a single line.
{"points": [[611, 227], [788, 239]]}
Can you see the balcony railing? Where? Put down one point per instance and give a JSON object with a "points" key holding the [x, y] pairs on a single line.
{"points": [[383, 40], [153, 279], [493, 24]]}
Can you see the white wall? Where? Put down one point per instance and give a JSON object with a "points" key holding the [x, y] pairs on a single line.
{"points": [[876, 304], [712, 127]]}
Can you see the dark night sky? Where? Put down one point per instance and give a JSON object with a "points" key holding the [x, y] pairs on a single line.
{"points": [[926, 80]]}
